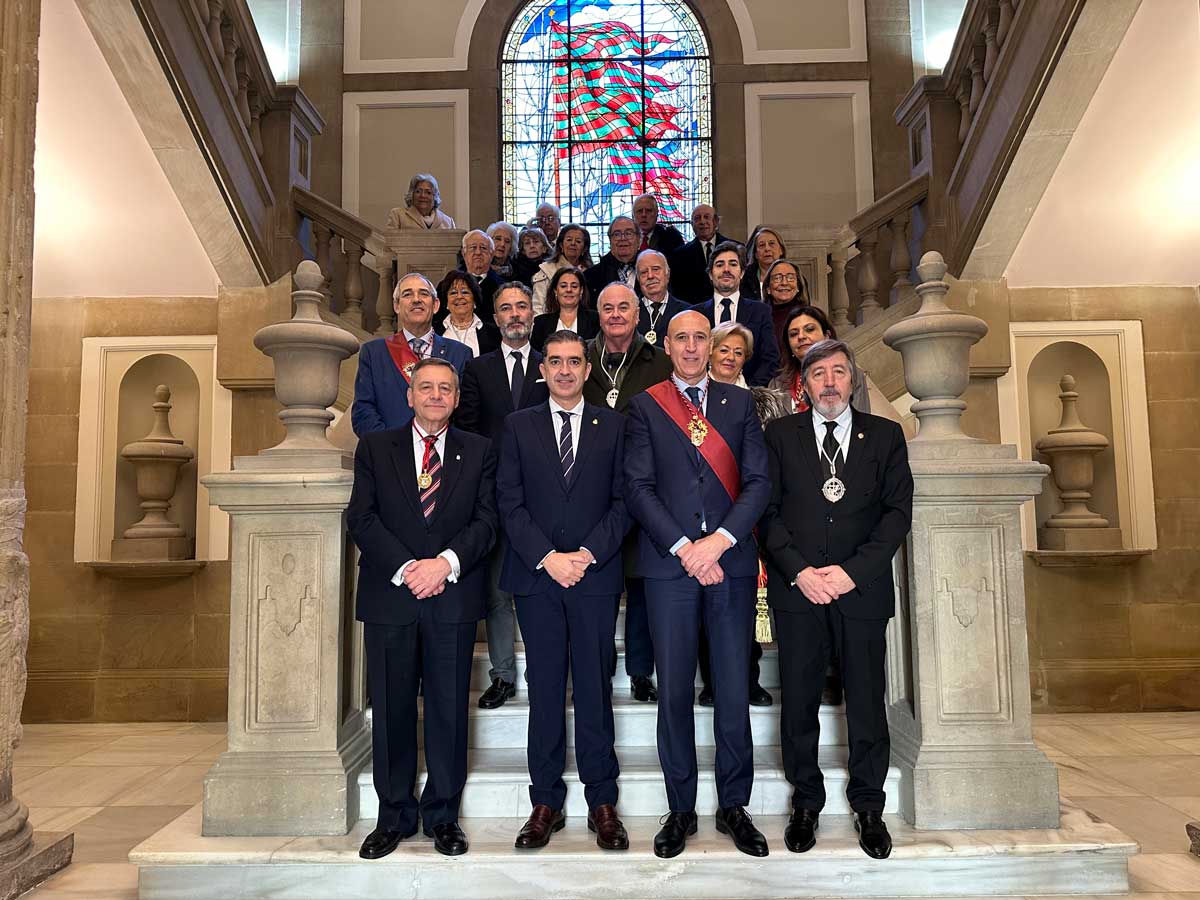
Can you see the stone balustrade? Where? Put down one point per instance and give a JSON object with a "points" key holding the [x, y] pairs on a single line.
{"points": [[985, 29]]}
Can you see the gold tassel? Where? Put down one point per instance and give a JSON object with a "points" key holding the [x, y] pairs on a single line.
{"points": [[762, 623]]}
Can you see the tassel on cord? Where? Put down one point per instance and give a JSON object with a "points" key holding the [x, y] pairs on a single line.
{"points": [[762, 623]]}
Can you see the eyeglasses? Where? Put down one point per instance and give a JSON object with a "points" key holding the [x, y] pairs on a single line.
{"points": [[624, 233], [784, 278]]}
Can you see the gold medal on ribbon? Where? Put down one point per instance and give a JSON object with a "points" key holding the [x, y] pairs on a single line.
{"points": [[697, 430], [408, 370], [424, 480]]}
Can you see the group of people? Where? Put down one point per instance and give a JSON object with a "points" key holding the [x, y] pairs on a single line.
{"points": [[668, 450]]}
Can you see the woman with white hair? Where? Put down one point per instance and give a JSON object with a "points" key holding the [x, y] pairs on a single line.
{"points": [[420, 209], [504, 237]]}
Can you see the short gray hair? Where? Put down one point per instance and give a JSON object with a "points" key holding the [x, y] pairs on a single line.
{"points": [[479, 232], [400, 280], [416, 180], [513, 286], [822, 350], [652, 252], [511, 230]]}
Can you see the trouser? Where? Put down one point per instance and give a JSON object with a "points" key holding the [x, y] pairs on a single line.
{"points": [[806, 640], [501, 622], [563, 628], [676, 609], [399, 658], [705, 652], [639, 645]]}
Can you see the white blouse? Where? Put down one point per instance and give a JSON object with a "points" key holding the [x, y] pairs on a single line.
{"points": [[468, 335]]}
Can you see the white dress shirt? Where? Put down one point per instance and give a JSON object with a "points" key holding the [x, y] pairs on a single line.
{"points": [[418, 457], [509, 361], [841, 433], [427, 337], [576, 414], [719, 306], [703, 385]]}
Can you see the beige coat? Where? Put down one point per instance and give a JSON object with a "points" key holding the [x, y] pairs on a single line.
{"points": [[408, 217]]}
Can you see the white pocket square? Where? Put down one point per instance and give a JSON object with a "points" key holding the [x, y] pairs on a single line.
{"points": [[540, 381]]}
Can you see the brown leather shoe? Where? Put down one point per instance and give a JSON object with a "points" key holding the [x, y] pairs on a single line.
{"points": [[610, 833], [536, 831]]}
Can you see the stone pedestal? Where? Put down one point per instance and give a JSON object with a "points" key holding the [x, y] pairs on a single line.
{"points": [[432, 253], [297, 731]]}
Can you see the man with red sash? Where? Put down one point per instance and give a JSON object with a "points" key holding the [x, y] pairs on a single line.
{"points": [[385, 364], [696, 481]]}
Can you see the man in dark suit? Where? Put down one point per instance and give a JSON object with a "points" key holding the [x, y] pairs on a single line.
{"points": [[494, 385], [696, 471], [423, 514], [840, 507], [658, 307], [622, 365], [560, 489], [652, 235], [477, 250], [725, 305], [618, 263], [689, 264], [384, 364]]}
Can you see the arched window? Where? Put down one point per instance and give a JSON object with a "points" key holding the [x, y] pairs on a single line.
{"points": [[602, 100]]}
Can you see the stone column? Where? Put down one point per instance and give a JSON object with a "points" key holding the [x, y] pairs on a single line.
{"points": [[297, 730], [25, 858], [959, 705]]}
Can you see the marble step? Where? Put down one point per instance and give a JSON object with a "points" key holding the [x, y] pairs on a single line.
{"points": [[498, 783], [1084, 856], [636, 723], [480, 666]]}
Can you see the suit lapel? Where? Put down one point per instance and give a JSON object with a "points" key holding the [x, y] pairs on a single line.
{"points": [[502, 380], [808, 447], [531, 375], [856, 447], [451, 465], [406, 468], [547, 432], [588, 436]]}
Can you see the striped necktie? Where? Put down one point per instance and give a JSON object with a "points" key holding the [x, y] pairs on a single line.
{"points": [[565, 454], [432, 466]]}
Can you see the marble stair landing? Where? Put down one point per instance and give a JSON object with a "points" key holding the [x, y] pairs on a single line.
{"points": [[1083, 856]]}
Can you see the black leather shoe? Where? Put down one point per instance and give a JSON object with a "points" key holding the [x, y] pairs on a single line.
{"points": [[643, 689], [672, 837], [873, 835], [736, 822], [382, 841], [801, 832], [448, 839], [494, 697], [760, 696], [706, 697]]}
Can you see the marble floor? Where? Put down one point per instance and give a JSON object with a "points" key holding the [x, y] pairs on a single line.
{"points": [[115, 785]]}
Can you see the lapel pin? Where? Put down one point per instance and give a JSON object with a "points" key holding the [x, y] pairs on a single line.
{"points": [[595, 421], [459, 457], [724, 400], [860, 435]]}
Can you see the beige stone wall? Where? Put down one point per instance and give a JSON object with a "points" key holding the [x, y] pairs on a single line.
{"points": [[102, 649]]}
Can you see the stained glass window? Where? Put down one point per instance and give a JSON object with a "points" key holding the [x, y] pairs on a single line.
{"points": [[602, 100]]}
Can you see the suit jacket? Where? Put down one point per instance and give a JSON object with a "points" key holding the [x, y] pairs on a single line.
{"points": [[666, 239], [487, 334], [671, 490], [487, 396], [544, 512], [386, 522], [587, 324], [603, 273], [861, 532], [646, 366], [407, 217], [380, 390], [689, 274], [674, 306], [756, 316]]}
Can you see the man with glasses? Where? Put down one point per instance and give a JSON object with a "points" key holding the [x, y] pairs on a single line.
{"points": [[549, 219], [618, 264], [477, 250]]}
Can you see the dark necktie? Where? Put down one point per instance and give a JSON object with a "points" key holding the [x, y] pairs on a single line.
{"points": [[655, 311], [833, 450], [707, 253], [565, 454], [612, 360], [726, 315], [693, 393], [518, 379], [431, 466], [418, 347]]}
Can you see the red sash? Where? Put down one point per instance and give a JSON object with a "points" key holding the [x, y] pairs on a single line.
{"points": [[714, 449], [402, 355]]}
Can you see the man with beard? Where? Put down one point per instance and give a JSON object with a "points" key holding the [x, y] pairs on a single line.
{"points": [[494, 385], [725, 304], [840, 507], [618, 263], [658, 307]]}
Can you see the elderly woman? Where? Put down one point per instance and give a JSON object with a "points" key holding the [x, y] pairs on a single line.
{"points": [[785, 289], [420, 208], [532, 248], [764, 247], [573, 248], [568, 308], [730, 347], [459, 294], [504, 240]]}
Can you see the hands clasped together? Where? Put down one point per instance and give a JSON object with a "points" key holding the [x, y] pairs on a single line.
{"points": [[700, 557], [427, 577], [824, 585], [568, 568]]}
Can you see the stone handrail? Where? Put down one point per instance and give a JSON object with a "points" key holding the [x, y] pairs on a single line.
{"points": [[964, 124], [255, 133]]}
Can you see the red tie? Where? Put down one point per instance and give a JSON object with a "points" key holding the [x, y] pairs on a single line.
{"points": [[432, 466], [645, 243]]}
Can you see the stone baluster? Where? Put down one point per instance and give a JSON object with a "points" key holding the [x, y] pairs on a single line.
{"points": [[991, 29], [962, 93], [201, 7], [216, 9], [243, 89], [1006, 17], [324, 238], [977, 83], [229, 64], [900, 259], [256, 111], [354, 284], [868, 278], [839, 298], [383, 301]]}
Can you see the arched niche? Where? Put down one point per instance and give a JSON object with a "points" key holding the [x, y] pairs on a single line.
{"points": [[135, 418], [1095, 411]]}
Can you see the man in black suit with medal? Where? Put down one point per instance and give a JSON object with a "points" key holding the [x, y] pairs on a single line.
{"points": [[423, 514], [658, 306], [840, 507]]}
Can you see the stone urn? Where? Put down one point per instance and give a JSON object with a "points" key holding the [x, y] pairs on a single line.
{"points": [[1071, 449], [307, 352], [935, 343], [157, 459]]}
